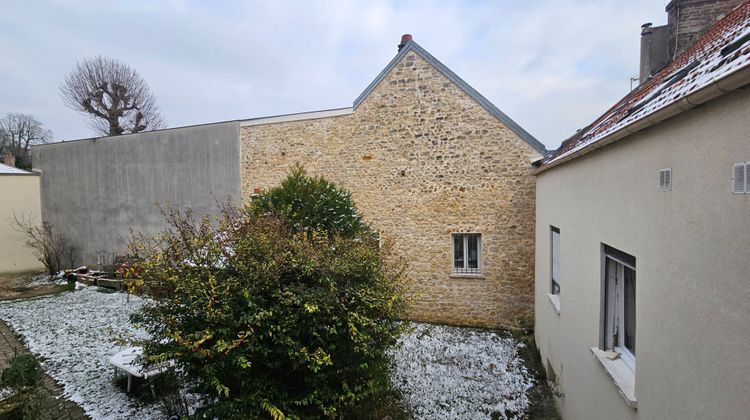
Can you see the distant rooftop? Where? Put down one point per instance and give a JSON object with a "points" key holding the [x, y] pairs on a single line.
{"points": [[9, 170], [722, 51]]}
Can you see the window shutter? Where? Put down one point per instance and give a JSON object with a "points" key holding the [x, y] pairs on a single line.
{"points": [[740, 178], [665, 180], [556, 256]]}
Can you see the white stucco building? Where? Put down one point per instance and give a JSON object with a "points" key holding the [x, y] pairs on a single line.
{"points": [[642, 289], [19, 196]]}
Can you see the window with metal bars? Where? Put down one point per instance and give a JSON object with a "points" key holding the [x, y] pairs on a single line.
{"points": [[665, 180], [467, 251], [741, 178]]}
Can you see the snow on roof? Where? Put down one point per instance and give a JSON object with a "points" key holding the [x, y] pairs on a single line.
{"points": [[5, 170], [721, 51]]}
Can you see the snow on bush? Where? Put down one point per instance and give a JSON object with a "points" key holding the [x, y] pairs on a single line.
{"points": [[460, 373], [76, 333]]}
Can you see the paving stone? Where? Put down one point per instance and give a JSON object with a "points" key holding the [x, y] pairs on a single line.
{"points": [[54, 406]]}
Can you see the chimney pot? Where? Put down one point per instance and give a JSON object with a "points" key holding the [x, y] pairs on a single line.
{"points": [[646, 28], [404, 39]]}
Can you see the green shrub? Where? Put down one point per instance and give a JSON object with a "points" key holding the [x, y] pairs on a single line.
{"points": [[24, 371], [23, 376], [312, 204], [267, 319]]}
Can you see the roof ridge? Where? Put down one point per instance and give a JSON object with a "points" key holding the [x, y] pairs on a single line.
{"points": [[453, 77]]}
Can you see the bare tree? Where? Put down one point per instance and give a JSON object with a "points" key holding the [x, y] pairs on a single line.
{"points": [[18, 132], [51, 248], [113, 95]]}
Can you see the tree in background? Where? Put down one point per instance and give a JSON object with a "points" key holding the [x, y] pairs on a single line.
{"points": [[112, 95], [18, 132], [271, 315]]}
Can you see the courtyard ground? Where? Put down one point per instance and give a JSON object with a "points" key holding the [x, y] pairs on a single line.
{"points": [[22, 285], [442, 372]]}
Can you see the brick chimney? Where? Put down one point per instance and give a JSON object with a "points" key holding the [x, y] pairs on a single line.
{"points": [[654, 50], [689, 19], [9, 159], [405, 38]]}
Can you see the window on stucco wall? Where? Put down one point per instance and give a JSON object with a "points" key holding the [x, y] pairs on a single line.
{"points": [[555, 257], [619, 304]]}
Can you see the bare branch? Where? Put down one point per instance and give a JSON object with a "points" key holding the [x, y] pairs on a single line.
{"points": [[18, 132], [113, 96], [51, 248]]}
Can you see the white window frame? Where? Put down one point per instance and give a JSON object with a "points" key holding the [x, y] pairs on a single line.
{"points": [[746, 173], [466, 271], [554, 281], [614, 304]]}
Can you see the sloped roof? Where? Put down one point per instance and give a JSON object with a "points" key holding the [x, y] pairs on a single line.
{"points": [[453, 77], [9, 170], [721, 52]]}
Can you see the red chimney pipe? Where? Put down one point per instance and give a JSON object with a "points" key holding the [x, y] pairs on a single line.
{"points": [[404, 39]]}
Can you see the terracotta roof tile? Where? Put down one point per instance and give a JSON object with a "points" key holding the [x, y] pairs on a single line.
{"points": [[723, 50]]}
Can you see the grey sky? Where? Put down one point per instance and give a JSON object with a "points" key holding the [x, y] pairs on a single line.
{"points": [[552, 66]]}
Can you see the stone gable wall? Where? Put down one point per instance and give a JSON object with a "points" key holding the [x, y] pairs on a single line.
{"points": [[423, 160]]}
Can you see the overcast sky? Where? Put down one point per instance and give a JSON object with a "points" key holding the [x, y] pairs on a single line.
{"points": [[553, 66]]}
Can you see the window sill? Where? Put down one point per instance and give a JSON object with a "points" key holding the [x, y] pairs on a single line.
{"points": [[467, 276], [622, 376], [555, 301]]}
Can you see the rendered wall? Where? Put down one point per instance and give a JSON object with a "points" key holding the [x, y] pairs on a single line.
{"points": [[19, 194], [692, 267], [96, 190], [423, 160]]}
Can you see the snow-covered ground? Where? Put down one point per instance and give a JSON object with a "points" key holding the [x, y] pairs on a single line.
{"points": [[76, 333], [461, 373], [443, 372]]}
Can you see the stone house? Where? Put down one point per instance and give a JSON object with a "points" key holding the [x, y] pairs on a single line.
{"points": [[430, 163], [642, 239]]}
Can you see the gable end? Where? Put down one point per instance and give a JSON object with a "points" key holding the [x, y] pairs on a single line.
{"points": [[453, 77]]}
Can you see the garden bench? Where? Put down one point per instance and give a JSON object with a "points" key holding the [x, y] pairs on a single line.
{"points": [[129, 361]]}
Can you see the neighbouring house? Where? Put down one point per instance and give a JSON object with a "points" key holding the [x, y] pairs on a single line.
{"points": [[643, 237], [430, 163], [19, 191]]}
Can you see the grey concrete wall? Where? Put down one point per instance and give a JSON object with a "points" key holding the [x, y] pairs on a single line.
{"points": [[692, 267], [96, 190]]}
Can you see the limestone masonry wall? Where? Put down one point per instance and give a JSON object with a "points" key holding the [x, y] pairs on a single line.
{"points": [[423, 160]]}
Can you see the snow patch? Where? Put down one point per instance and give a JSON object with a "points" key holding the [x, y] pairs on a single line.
{"points": [[75, 333], [460, 373]]}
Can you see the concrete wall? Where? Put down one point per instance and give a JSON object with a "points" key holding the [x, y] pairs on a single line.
{"points": [[96, 190], [423, 160], [19, 194], [691, 247]]}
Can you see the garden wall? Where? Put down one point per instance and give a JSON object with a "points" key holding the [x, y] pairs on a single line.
{"points": [[96, 190]]}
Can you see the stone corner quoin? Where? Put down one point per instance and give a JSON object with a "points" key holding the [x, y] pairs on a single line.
{"points": [[423, 160]]}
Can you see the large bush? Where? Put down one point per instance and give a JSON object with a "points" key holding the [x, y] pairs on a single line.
{"points": [[267, 319], [312, 204]]}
